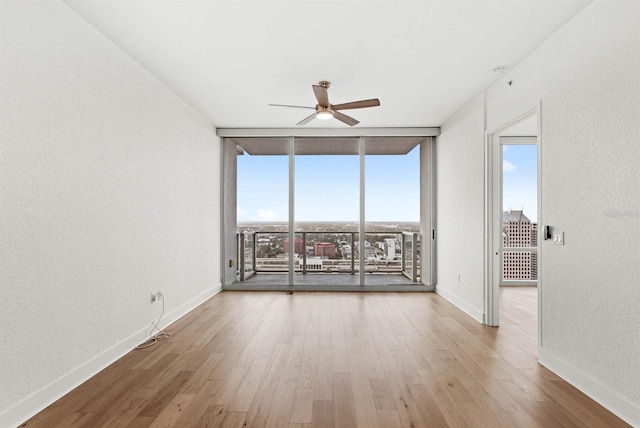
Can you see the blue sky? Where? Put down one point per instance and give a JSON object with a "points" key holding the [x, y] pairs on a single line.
{"points": [[327, 188], [519, 172]]}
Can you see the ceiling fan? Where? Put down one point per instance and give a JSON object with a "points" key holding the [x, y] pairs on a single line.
{"points": [[325, 110]]}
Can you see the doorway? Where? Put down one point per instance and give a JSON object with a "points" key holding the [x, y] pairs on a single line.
{"points": [[512, 232]]}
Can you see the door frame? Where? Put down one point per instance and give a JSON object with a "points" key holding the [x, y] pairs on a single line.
{"points": [[493, 211]]}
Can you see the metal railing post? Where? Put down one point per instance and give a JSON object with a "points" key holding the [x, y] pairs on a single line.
{"points": [[414, 258], [304, 253], [353, 251], [403, 264], [254, 251], [241, 263]]}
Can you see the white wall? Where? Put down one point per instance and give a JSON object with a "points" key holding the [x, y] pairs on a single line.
{"points": [[460, 209], [109, 190], [586, 78], [591, 191]]}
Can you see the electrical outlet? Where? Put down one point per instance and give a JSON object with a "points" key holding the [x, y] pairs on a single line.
{"points": [[156, 296]]}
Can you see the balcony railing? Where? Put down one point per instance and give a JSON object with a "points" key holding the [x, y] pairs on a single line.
{"points": [[410, 255], [246, 254], [327, 252]]}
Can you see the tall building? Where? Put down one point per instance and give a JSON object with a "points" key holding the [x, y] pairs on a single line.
{"points": [[324, 249], [389, 248], [519, 231], [298, 246]]}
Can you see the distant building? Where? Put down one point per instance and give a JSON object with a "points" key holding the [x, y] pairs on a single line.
{"points": [[324, 249], [298, 246], [534, 256], [519, 231], [312, 263], [389, 248], [263, 241], [346, 251]]}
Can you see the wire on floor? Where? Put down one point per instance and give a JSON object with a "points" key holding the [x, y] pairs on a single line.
{"points": [[153, 338]]}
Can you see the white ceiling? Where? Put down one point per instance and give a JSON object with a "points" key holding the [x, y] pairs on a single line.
{"points": [[422, 59]]}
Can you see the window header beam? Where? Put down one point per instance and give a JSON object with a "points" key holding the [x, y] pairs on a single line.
{"points": [[328, 132]]}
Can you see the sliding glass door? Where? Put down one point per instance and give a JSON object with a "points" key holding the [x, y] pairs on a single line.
{"points": [[327, 211], [392, 211]]}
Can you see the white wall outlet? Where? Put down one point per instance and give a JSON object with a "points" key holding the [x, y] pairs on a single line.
{"points": [[156, 296]]}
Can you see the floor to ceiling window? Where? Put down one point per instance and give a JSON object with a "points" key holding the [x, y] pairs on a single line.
{"points": [[327, 210], [262, 207], [392, 210], [324, 212]]}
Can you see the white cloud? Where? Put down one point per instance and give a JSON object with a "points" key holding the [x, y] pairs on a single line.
{"points": [[508, 166], [267, 215]]}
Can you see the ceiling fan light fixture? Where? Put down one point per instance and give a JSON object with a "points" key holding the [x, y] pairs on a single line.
{"points": [[324, 115]]}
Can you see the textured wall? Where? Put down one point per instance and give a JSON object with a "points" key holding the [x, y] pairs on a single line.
{"points": [[460, 208], [109, 190], [591, 191]]}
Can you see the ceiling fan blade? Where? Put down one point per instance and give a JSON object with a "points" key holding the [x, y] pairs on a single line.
{"points": [[374, 102], [306, 120], [289, 105], [321, 95], [344, 118]]}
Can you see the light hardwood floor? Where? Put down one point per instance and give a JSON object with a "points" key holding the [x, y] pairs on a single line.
{"points": [[325, 359]]}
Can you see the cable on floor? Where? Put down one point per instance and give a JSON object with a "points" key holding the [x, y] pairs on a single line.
{"points": [[153, 338]]}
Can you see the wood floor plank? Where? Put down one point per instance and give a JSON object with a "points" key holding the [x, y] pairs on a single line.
{"points": [[261, 405], [165, 394], [233, 420], [248, 386], [199, 405], [302, 409], [343, 405], [322, 378], [364, 403], [173, 411], [323, 415], [334, 359], [280, 411], [389, 419], [200, 376], [128, 406], [382, 395], [76, 420]]}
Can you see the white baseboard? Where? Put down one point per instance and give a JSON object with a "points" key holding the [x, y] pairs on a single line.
{"points": [[39, 400], [183, 310], [463, 305], [611, 400]]}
